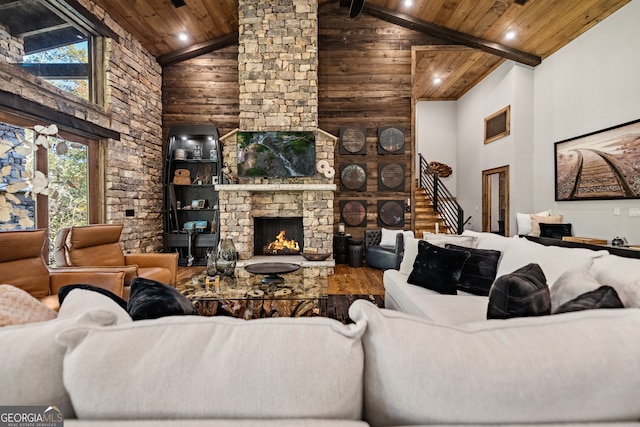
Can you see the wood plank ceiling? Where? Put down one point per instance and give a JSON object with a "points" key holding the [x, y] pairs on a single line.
{"points": [[541, 27]]}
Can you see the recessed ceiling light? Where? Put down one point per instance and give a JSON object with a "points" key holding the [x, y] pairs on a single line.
{"points": [[510, 35], [408, 3], [437, 80], [183, 37]]}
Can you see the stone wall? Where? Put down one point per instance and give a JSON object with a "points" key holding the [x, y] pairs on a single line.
{"points": [[133, 165], [278, 64], [11, 48]]}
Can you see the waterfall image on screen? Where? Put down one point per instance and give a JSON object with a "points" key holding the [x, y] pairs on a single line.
{"points": [[276, 154]]}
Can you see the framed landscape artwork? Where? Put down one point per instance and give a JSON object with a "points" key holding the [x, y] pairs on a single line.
{"points": [[600, 165]]}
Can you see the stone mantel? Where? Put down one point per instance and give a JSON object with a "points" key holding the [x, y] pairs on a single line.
{"points": [[275, 187]]}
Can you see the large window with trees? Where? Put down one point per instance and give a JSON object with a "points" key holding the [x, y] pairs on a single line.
{"points": [[57, 40], [48, 178]]}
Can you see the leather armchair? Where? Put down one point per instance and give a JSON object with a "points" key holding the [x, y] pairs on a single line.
{"points": [[99, 245], [22, 264], [382, 257]]}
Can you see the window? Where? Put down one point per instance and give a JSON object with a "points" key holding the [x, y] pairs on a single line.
{"points": [[58, 41], [66, 165]]}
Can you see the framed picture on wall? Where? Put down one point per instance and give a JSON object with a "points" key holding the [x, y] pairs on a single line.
{"points": [[497, 125], [601, 165]]}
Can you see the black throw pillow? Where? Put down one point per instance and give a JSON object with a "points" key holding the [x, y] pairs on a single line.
{"points": [[519, 294], [64, 291], [603, 297], [479, 271], [555, 231], [150, 300], [438, 268]]}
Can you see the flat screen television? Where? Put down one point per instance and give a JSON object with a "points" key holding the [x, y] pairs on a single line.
{"points": [[276, 154]]}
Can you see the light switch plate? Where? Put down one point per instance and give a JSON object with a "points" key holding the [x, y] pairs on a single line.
{"points": [[634, 211]]}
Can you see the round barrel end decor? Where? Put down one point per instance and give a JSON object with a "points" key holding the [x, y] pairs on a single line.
{"points": [[354, 212], [353, 140], [354, 177], [391, 140], [391, 176], [391, 212]]}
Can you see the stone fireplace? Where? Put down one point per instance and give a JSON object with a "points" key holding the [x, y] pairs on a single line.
{"points": [[277, 67]]}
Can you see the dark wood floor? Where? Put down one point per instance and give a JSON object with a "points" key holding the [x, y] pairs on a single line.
{"points": [[346, 280]]}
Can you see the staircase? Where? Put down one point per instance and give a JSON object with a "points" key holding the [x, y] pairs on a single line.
{"points": [[434, 204], [425, 217]]}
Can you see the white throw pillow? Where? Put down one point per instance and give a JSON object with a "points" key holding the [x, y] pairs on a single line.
{"points": [[410, 254], [488, 240], [524, 222], [536, 220], [553, 260], [388, 237], [622, 274], [442, 239], [192, 367], [568, 368], [571, 284]]}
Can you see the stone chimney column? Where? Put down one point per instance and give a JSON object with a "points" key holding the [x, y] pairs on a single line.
{"points": [[278, 65]]}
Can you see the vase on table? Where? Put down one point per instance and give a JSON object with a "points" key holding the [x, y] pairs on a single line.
{"points": [[226, 258], [211, 263]]}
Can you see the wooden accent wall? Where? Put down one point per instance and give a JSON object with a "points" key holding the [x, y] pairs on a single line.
{"points": [[203, 90], [364, 79]]}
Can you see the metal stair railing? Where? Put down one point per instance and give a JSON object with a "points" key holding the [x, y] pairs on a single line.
{"points": [[443, 201]]}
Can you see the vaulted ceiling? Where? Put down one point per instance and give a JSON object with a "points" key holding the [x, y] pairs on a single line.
{"points": [[478, 28]]}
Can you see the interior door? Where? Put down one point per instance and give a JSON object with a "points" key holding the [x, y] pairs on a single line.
{"points": [[495, 200]]}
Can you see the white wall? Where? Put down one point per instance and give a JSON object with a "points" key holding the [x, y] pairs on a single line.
{"points": [[436, 136], [511, 84], [591, 84]]}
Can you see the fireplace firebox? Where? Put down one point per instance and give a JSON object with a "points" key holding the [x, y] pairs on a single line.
{"points": [[278, 236]]}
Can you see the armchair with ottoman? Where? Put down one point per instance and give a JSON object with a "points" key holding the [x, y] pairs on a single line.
{"points": [[99, 245], [22, 265]]}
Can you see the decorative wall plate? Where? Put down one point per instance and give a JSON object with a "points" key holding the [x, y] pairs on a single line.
{"points": [[390, 213], [353, 140], [390, 176], [353, 177], [353, 212], [391, 140]]}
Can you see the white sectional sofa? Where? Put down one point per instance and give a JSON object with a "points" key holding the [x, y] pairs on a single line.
{"points": [[586, 266], [387, 369]]}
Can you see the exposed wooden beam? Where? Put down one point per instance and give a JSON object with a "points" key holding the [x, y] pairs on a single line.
{"points": [[198, 49], [451, 36], [17, 105]]}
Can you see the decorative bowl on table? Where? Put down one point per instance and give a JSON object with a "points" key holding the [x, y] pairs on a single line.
{"points": [[315, 257]]}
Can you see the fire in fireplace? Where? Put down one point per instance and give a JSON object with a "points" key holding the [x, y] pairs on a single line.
{"points": [[282, 246], [278, 236]]}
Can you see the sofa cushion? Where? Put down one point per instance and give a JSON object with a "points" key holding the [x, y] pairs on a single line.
{"points": [[32, 371], [573, 367], [64, 291], [519, 294], [603, 297], [217, 367], [227, 422], [445, 309], [479, 271], [438, 268], [488, 240], [440, 239], [95, 245], [570, 284], [623, 274], [553, 260], [150, 299], [18, 307]]}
